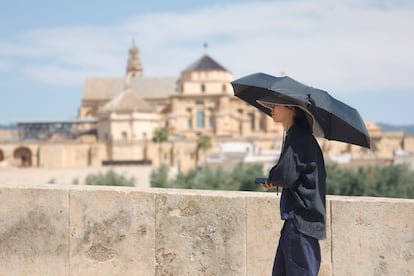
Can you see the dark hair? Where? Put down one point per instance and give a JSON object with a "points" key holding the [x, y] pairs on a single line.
{"points": [[300, 118]]}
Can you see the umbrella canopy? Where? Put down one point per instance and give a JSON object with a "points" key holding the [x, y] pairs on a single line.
{"points": [[337, 120]]}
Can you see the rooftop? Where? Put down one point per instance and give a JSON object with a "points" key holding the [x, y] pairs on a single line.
{"points": [[205, 63]]}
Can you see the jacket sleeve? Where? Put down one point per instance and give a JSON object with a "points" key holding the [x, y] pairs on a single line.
{"points": [[291, 166]]}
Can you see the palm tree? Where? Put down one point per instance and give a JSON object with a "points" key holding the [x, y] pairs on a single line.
{"points": [[203, 143], [160, 136]]}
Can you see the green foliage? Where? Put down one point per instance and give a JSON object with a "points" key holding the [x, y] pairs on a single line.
{"points": [[203, 143], [185, 181], [393, 181], [345, 182], [160, 135], [159, 177], [212, 179], [390, 181], [244, 175], [111, 178], [240, 177]]}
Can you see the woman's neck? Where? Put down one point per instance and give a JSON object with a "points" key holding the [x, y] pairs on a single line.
{"points": [[287, 125]]}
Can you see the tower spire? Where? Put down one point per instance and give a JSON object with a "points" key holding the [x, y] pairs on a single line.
{"points": [[205, 45], [134, 67]]}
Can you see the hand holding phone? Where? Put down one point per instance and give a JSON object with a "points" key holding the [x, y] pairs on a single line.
{"points": [[260, 180], [265, 185]]}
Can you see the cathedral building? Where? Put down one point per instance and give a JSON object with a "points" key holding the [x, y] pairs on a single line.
{"points": [[199, 102]]}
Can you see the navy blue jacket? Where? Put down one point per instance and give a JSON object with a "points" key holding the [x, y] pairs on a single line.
{"points": [[301, 172]]}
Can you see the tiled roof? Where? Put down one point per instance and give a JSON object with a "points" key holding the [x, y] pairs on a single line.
{"points": [[107, 88], [205, 63], [127, 101]]}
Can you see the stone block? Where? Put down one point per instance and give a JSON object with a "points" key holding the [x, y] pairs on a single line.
{"points": [[34, 230], [111, 231], [326, 245], [263, 232], [200, 233], [373, 236]]}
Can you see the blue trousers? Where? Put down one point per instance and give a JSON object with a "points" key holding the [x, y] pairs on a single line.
{"points": [[297, 254]]}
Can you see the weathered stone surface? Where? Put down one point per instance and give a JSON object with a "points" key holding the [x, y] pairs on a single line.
{"points": [[263, 232], [326, 245], [111, 232], [86, 230], [200, 233], [373, 236], [34, 231]]}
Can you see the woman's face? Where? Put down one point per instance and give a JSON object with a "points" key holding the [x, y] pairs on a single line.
{"points": [[282, 114]]}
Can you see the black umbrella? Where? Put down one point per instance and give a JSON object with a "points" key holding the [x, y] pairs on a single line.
{"points": [[338, 121]]}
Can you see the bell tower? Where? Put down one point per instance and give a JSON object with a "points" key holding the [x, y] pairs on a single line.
{"points": [[134, 67]]}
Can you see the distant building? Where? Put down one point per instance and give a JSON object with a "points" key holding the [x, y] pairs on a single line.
{"points": [[199, 102], [118, 117]]}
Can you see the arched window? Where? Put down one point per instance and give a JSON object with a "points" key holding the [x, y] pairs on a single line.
{"points": [[23, 157], [203, 88]]}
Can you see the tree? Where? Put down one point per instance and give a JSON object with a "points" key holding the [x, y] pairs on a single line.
{"points": [[212, 179], [159, 177], [185, 180], [389, 181], [203, 143], [346, 182], [241, 177], [160, 136], [111, 178], [393, 181], [244, 176]]}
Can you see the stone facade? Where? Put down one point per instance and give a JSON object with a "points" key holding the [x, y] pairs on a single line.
{"points": [[200, 103], [86, 230]]}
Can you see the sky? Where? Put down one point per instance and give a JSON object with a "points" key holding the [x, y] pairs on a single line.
{"points": [[360, 51]]}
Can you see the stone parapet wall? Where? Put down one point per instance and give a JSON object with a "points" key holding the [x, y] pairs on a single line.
{"points": [[84, 230]]}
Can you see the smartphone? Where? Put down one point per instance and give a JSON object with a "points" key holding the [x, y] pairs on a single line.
{"points": [[260, 180]]}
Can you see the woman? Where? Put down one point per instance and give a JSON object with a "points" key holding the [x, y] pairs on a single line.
{"points": [[301, 173]]}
